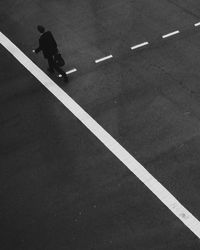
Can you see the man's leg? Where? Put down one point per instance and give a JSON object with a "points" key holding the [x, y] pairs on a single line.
{"points": [[51, 64]]}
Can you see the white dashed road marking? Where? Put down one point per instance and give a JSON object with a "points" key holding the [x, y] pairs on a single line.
{"points": [[197, 24], [171, 34], [103, 59], [71, 71], [122, 154], [139, 45]]}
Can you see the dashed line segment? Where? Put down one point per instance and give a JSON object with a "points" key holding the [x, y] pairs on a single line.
{"points": [[171, 34], [71, 71], [197, 24], [139, 45], [103, 59]]}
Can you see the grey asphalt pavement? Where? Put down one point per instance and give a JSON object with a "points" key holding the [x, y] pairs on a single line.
{"points": [[60, 188]]}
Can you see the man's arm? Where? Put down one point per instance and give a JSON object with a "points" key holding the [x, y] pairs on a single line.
{"points": [[39, 48]]}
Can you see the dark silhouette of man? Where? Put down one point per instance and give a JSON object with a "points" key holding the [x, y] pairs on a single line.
{"points": [[48, 46]]}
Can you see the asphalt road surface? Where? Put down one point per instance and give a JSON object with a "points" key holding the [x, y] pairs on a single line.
{"points": [[60, 187]]}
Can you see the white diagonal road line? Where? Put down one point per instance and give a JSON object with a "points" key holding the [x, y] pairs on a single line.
{"points": [[122, 154]]}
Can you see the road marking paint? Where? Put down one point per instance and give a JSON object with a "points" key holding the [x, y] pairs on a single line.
{"points": [[103, 59], [69, 72], [139, 45], [121, 153], [197, 24], [171, 34]]}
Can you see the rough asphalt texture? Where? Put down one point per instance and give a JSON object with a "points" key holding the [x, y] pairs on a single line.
{"points": [[60, 188]]}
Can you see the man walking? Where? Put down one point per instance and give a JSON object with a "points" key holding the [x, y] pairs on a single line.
{"points": [[48, 46]]}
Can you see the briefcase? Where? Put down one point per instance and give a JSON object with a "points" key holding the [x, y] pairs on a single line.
{"points": [[59, 60]]}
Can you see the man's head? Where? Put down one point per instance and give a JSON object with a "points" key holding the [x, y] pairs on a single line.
{"points": [[41, 29]]}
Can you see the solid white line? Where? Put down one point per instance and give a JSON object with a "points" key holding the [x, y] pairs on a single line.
{"points": [[197, 24], [124, 156], [139, 45], [103, 59], [171, 34]]}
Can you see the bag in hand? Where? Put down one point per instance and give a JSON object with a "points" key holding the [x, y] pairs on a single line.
{"points": [[59, 60]]}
